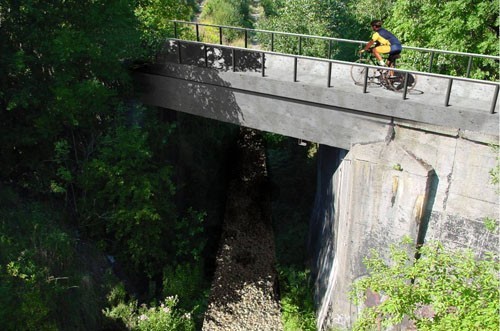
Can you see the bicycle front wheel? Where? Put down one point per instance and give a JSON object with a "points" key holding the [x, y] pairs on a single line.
{"points": [[358, 72]]}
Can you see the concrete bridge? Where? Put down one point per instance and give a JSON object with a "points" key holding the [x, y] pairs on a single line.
{"points": [[309, 98], [390, 164]]}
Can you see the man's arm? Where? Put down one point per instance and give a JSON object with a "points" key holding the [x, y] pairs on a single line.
{"points": [[367, 47]]}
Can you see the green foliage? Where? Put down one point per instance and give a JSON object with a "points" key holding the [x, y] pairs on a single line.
{"points": [[298, 313], [60, 75], [284, 159], [33, 253], [163, 317], [271, 7], [308, 17], [188, 243], [45, 281], [154, 16], [442, 290], [495, 171], [187, 281], [128, 197], [366, 11], [397, 167], [69, 142], [303, 17], [226, 12], [273, 139], [456, 25], [491, 224]]}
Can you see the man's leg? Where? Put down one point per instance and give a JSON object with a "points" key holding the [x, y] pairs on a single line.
{"points": [[381, 50]]}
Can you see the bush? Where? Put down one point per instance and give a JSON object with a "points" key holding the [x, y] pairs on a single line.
{"points": [[163, 317], [442, 290], [298, 312]]}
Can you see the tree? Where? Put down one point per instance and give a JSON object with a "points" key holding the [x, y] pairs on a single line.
{"points": [[314, 18], [443, 289], [61, 73], [154, 19], [72, 141], [455, 25]]}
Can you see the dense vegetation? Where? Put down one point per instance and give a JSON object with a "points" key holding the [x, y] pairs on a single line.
{"points": [[443, 289], [86, 171], [454, 25], [98, 212]]}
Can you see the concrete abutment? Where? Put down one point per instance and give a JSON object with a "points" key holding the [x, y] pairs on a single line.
{"points": [[421, 185]]}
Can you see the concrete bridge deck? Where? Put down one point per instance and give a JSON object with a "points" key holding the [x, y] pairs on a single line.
{"points": [[301, 104]]}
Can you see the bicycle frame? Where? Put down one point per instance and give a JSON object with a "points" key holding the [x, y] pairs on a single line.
{"points": [[382, 76]]}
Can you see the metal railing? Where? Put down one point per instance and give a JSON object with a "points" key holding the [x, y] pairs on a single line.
{"points": [[301, 37], [263, 54]]}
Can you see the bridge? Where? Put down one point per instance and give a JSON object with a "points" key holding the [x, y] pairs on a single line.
{"points": [[418, 160], [273, 91]]}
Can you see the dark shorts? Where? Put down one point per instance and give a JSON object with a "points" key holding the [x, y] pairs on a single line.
{"points": [[396, 49]]}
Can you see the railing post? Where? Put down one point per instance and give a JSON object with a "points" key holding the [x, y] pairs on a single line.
{"points": [[365, 81], [246, 38], [300, 45], [206, 55], [220, 35], [263, 57], [448, 93], [469, 66], [272, 42], [495, 98], [179, 51], [431, 61], [329, 49], [329, 81], [175, 30], [197, 32], [294, 69], [234, 59], [405, 86]]}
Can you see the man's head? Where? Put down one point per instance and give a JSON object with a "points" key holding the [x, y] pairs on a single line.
{"points": [[376, 24]]}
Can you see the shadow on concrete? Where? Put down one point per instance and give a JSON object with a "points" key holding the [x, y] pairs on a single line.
{"points": [[197, 76], [220, 58], [432, 187], [322, 229]]}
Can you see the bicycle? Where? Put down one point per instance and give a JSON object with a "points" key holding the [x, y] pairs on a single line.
{"points": [[381, 76]]}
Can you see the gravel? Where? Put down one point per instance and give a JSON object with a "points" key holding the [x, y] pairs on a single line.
{"points": [[244, 290]]}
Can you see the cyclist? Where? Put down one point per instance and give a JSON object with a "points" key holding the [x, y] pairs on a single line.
{"points": [[385, 43]]}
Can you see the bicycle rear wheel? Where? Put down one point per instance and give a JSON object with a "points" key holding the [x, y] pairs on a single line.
{"points": [[397, 82], [358, 72]]}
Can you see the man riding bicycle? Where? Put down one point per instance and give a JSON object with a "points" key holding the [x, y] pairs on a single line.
{"points": [[386, 43]]}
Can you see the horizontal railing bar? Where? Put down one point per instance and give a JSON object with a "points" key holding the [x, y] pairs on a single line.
{"points": [[273, 32], [427, 50], [305, 57]]}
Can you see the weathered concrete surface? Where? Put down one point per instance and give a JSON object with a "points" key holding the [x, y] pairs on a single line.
{"points": [[463, 193], [293, 118], [442, 191], [380, 195]]}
